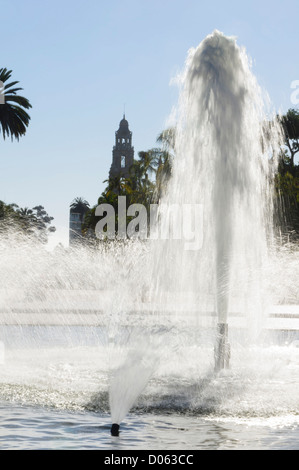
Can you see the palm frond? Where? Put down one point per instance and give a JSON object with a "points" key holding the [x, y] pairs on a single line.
{"points": [[14, 120]]}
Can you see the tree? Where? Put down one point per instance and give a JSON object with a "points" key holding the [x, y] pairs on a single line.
{"points": [[148, 178], [148, 162], [287, 187], [116, 185], [167, 139], [32, 223], [166, 155], [90, 219], [14, 120], [290, 125], [163, 174], [7, 210], [287, 178], [42, 223], [80, 206]]}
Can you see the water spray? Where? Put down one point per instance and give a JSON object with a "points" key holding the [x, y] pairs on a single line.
{"points": [[222, 348]]}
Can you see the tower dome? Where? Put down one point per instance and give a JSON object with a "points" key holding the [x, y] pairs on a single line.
{"points": [[124, 123]]}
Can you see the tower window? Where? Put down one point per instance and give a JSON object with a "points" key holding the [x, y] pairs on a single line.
{"points": [[123, 161], [123, 140]]}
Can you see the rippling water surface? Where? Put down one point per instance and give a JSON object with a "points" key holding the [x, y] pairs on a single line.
{"points": [[54, 394], [35, 428]]}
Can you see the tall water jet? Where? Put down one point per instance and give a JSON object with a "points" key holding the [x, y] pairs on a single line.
{"points": [[225, 160]]}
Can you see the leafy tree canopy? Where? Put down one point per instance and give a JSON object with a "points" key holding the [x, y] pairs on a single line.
{"points": [[32, 223]]}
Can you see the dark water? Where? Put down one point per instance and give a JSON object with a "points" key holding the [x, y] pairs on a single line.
{"points": [[35, 428]]}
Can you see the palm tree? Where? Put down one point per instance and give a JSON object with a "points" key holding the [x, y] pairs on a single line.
{"points": [[26, 220], [13, 118], [148, 162], [116, 185], [167, 139], [80, 206]]}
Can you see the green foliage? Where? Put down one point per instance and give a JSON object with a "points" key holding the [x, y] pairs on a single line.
{"points": [[33, 224], [14, 120], [149, 176], [290, 125], [287, 188], [79, 206], [287, 179]]}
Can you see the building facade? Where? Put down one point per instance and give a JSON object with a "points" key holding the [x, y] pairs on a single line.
{"points": [[123, 151], [75, 227], [78, 209]]}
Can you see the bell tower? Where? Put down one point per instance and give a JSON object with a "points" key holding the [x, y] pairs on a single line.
{"points": [[123, 152]]}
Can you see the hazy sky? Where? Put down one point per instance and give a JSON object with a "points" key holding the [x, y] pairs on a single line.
{"points": [[80, 61]]}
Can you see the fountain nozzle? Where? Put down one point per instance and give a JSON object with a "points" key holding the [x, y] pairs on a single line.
{"points": [[115, 429]]}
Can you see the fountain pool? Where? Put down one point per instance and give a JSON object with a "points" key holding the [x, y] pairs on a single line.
{"points": [[129, 333]]}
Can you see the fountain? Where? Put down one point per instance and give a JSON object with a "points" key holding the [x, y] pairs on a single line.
{"points": [[165, 312], [225, 160]]}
